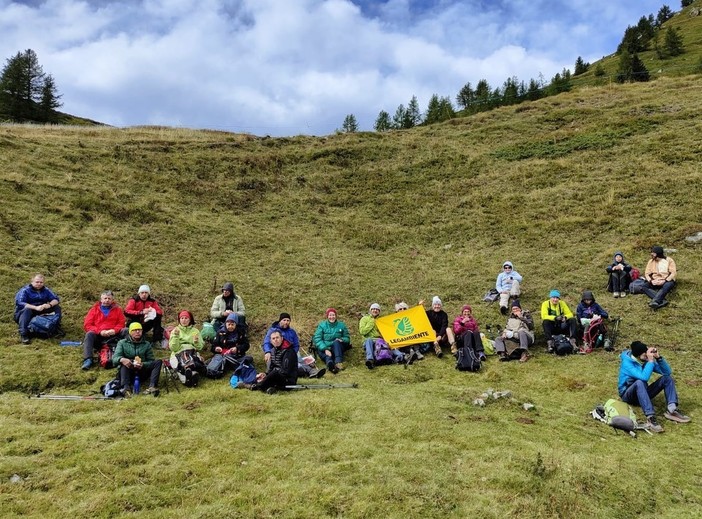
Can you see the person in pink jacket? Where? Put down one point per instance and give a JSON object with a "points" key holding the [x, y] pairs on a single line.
{"points": [[467, 332]]}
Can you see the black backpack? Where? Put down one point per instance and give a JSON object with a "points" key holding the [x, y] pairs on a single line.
{"points": [[562, 345], [467, 359]]}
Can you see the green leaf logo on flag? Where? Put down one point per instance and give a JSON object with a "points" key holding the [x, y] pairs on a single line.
{"points": [[403, 326]]}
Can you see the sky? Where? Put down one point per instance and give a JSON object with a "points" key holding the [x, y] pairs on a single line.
{"points": [[297, 67]]}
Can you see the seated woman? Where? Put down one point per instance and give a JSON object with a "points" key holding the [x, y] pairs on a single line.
{"points": [[508, 285], [467, 332], [331, 339], [517, 336], [228, 346], [185, 344], [590, 313], [619, 275], [282, 369]]}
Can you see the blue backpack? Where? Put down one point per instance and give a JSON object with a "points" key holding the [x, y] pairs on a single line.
{"points": [[45, 325], [245, 372]]}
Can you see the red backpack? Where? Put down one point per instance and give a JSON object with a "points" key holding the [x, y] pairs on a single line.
{"points": [[105, 356]]}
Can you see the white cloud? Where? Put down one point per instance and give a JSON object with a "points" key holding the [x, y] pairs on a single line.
{"points": [[296, 66]]}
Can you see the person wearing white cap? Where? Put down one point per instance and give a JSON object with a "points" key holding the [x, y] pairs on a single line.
{"points": [[508, 285], [440, 324], [145, 310], [370, 333]]}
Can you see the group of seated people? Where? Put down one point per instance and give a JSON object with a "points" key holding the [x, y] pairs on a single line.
{"points": [[125, 330]]}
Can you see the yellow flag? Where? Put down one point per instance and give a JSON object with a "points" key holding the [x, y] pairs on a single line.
{"points": [[405, 328]]}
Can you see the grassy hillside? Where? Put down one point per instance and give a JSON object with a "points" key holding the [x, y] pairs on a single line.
{"points": [[299, 224]]}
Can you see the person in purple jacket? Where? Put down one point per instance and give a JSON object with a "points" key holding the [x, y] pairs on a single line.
{"points": [[32, 300]]}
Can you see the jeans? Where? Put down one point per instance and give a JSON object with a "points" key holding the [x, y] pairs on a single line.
{"points": [[658, 293], [369, 346], [126, 375], [552, 328], [337, 356], [25, 315], [640, 393]]}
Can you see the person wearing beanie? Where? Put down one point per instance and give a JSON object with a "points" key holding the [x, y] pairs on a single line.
{"points": [[438, 319], [466, 332], [229, 347], [228, 302], [144, 309], [517, 335], [289, 334], [103, 324], [619, 275], [587, 312], [660, 275], [185, 344], [637, 366], [370, 333], [331, 339], [135, 356], [557, 319], [508, 284]]}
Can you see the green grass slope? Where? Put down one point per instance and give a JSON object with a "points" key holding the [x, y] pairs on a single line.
{"points": [[303, 223]]}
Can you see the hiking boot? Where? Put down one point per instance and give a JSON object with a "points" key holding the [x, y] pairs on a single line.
{"points": [[25, 339], [333, 369], [655, 305], [454, 348], [615, 294], [340, 366], [608, 345], [503, 310], [524, 357], [549, 346], [243, 385], [271, 391], [677, 416], [411, 357], [437, 350], [196, 378], [188, 377], [87, 364], [585, 350], [662, 304], [152, 391], [127, 393], [574, 343], [369, 364], [418, 355], [504, 357], [653, 425], [622, 294]]}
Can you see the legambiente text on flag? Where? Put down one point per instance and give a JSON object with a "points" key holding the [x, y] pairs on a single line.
{"points": [[405, 328]]}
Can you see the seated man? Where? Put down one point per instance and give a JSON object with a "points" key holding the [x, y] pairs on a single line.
{"points": [[103, 323], [32, 300], [619, 275], [135, 358], [229, 346], [228, 302], [508, 285], [282, 325], [282, 366], [637, 366], [660, 274], [370, 333], [517, 336], [144, 309], [557, 319]]}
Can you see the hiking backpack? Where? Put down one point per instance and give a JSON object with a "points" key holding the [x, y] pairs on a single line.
{"points": [[467, 359], [105, 356], [617, 414], [383, 355], [595, 333], [45, 326], [246, 372], [562, 345], [491, 296], [112, 389], [638, 286]]}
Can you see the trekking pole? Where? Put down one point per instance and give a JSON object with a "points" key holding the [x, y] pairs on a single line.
{"points": [[44, 396], [322, 386]]}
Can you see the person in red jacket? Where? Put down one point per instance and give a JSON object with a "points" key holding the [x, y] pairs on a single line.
{"points": [[104, 322], [144, 309]]}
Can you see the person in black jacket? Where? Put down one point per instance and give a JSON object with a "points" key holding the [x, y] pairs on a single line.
{"points": [[619, 275], [229, 346], [283, 366], [439, 323]]}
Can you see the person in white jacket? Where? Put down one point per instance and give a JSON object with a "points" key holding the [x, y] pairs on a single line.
{"points": [[508, 284]]}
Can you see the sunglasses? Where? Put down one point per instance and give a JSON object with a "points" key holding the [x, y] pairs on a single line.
{"points": [[507, 267]]}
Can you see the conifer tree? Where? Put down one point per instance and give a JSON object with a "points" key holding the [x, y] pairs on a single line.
{"points": [[399, 119], [383, 122], [413, 116], [350, 125], [580, 66], [673, 45], [465, 96]]}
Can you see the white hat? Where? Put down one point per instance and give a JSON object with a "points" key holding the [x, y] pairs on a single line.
{"points": [[375, 306], [144, 288], [436, 301]]}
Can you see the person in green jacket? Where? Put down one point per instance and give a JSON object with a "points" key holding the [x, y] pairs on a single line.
{"points": [[135, 358], [331, 340], [185, 344]]}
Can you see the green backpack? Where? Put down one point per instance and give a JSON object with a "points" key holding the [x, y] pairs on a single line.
{"points": [[617, 414]]}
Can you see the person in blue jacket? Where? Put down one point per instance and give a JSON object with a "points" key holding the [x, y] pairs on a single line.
{"points": [[32, 300], [282, 325], [637, 366]]}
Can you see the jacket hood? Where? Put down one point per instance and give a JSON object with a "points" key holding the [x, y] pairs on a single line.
{"points": [[587, 294], [618, 253]]}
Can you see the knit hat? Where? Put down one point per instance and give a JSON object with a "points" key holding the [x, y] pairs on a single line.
{"points": [[232, 317], [375, 306], [135, 326], [144, 288], [330, 310], [658, 250], [466, 307], [228, 286], [401, 306], [638, 348], [436, 301], [284, 315], [189, 314], [516, 303], [554, 293]]}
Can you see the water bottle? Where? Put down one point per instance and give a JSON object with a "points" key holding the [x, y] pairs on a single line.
{"points": [[599, 339], [137, 384]]}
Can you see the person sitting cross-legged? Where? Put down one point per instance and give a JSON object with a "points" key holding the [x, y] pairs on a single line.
{"points": [[135, 358], [635, 370], [185, 345]]}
